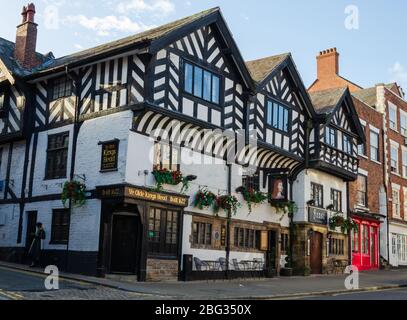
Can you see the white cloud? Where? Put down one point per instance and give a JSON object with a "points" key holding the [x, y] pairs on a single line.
{"points": [[157, 7], [398, 73], [106, 25], [78, 46]]}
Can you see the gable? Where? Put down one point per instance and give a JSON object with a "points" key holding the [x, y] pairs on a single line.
{"points": [[341, 119]]}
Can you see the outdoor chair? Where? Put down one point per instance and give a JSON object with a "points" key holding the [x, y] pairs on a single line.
{"points": [[223, 264], [200, 265]]}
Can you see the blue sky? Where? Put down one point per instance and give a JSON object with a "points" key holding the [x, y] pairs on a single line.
{"points": [[374, 52]]}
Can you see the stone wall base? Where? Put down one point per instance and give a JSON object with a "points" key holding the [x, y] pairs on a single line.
{"points": [[162, 270]]}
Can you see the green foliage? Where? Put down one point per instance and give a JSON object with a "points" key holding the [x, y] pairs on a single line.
{"points": [[74, 191], [286, 207], [345, 224], [227, 203], [252, 196], [204, 199], [165, 176]]}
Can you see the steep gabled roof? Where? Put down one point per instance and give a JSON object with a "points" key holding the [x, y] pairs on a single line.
{"points": [[325, 101], [261, 68]]}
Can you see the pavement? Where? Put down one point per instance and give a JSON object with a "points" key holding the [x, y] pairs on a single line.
{"points": [[18, 279]]}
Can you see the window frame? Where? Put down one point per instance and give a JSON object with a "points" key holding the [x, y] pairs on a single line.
{"points": [[374, 150], [251, 181], [348, 141], [54, 240], [315, 186], [245, 238], [362, 145], [403, 129], [48, 176], [161, 247], [339, 207], [328, 136], [63, 89], [397, 167], [202, 87], [396, 205], [270, 114], [365, 198], [197, 236], [161, 165], [393, 121]]}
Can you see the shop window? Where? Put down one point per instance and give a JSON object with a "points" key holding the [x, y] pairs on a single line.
{"points": [[361, 194], [60, 226], [330, 136], [336, 198], [246, 238], [355, 239], [163, 232], [336, 246], [201, 83], [278, 116], [57, 156], [317, 194], [166, 156], [251, 182], [374, 146], [202, 233], [365, 239], [62, 87], [285, 244]]}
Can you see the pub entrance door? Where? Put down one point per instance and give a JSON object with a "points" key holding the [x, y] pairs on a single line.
{"points": [[316, 253], [272, 251], [125, 229]]}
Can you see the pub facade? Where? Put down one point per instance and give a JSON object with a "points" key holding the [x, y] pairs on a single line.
{"points": [[162, 155]]}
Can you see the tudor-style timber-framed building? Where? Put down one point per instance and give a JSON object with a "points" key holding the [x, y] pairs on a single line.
{"points": [[179, 98]]}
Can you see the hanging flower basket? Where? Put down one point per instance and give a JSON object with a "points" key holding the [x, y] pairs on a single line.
{"points": [[252, 196], [345, 224], [204, 199], [227, 203], [165, 176], [74, 191]]}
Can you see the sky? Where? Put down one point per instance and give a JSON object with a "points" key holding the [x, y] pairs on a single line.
{"points": [[368, 34]]}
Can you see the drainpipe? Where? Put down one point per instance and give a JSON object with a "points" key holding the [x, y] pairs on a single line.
{"points": [[290, 265], [228, 223], [350, 249]]}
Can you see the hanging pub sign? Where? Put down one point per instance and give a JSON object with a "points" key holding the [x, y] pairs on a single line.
{"points": [[278, 186], [110, 155]]}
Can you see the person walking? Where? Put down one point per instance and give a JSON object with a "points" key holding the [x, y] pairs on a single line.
{"points": [[35, 250]]}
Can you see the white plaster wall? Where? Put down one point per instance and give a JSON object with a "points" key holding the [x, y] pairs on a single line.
{"points": [[40, 185], [302, 191], [88, 153], [3, 167], [9, 214]]}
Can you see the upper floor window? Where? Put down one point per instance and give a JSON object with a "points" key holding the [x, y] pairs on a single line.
{"points": [[393, 117], [62, 87], [330, 136], [403, 123], [201, 83], [57, 156], [361, 196], [404, 163], [251, 182], [362, 147], [277, 116], [317, 194], [396, 202], [394, 153], [347, 144], [166, 156], [336, 198], [374, 146]]}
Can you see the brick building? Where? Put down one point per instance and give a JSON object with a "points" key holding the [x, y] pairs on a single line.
{"points": [[378, 194]]}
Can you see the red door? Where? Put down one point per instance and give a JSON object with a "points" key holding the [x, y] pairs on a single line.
{"points": [[365, 245]]}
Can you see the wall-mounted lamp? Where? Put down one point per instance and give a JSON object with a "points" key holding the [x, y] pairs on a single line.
{"points": [[311, 202], [191, 178], [310, 233], [330, 207]]}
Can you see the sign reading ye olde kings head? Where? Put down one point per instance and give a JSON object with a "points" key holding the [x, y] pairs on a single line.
{"points": [[110, 154]]}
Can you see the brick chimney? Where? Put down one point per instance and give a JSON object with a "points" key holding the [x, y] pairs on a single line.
{"points": [[328, 63], [26, 39]]}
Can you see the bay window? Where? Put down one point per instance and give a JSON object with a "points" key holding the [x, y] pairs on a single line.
{"points": [[330, 136], [347, 144], [278, 116]]}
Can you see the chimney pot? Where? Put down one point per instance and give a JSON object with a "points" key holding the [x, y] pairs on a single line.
{"points": [[24, 14], [30, 12]]}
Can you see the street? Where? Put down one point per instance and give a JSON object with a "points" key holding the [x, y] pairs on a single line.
{"points": [[24, 284], [21, 285]]}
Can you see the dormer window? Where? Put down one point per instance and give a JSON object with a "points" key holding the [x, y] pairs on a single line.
{"points": [[201, 83], [330, 137], [278, 116], [62, 87]]}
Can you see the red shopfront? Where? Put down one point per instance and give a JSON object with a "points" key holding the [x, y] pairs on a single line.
{"points": [[365, 244]]}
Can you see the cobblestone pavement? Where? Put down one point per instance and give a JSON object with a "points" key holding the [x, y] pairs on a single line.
{"points": [[21, 285]]}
